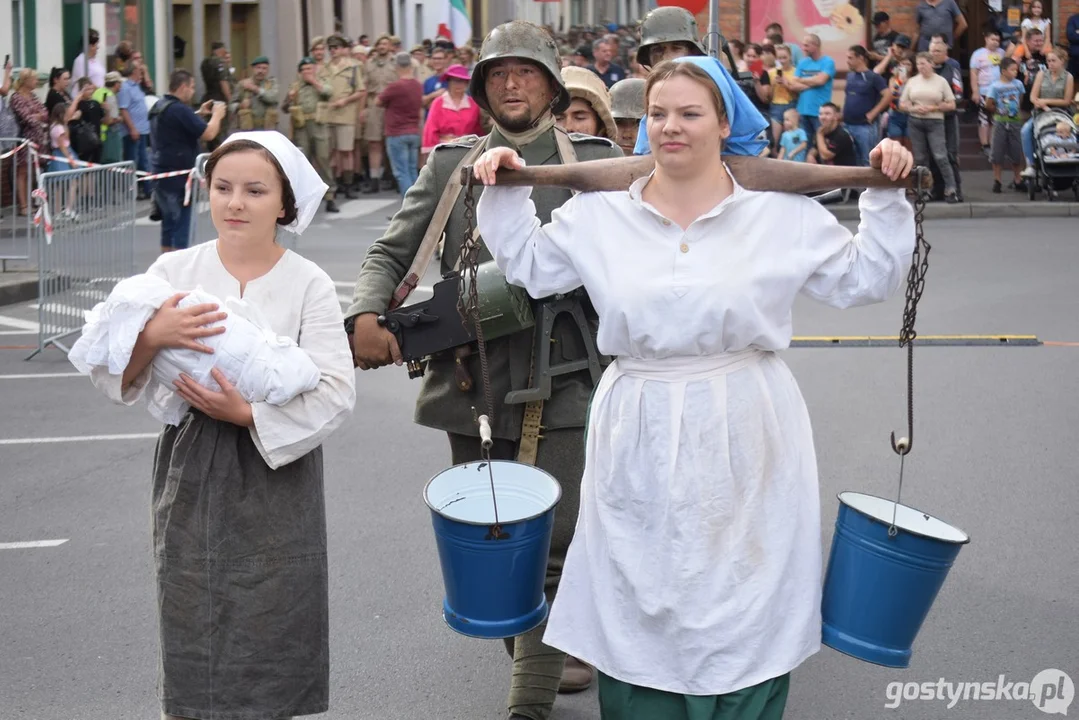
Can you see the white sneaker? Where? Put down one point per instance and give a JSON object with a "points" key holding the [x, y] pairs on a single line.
{"points": [[1028, 172]]}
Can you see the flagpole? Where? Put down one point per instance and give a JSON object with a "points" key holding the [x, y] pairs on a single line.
{"points": [[713, 28]]}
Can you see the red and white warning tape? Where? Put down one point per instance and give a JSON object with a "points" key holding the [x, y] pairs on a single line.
{"points": [[11, 152], [42, 215]]}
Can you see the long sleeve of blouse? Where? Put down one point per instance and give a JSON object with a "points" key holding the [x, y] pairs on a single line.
{"points": [[725, 283], [300, 301]]}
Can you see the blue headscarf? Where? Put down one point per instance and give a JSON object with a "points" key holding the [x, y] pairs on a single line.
{"points": [[745, 120]]}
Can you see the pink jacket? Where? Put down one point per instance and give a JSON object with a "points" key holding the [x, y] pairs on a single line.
{"points": [[445, 122]]}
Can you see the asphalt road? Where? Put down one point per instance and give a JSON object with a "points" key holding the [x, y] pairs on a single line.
{"points": [[994, 453]]}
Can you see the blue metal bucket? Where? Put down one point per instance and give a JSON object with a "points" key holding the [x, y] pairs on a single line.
{"points": [[879, 588], [494, 587]]}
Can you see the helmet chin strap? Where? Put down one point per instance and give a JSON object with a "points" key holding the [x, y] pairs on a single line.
{"points": [[534, 129]]}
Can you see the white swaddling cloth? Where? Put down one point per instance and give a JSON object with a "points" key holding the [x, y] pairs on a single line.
{"points": [[263, 366]]}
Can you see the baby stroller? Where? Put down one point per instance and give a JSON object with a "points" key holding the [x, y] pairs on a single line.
{"points": [[1054, 174]]}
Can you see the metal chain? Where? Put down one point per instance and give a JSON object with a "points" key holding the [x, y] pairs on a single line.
{"points": [[468, 304], [919, 264]]}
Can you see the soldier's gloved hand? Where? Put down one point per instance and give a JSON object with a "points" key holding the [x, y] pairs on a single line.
{"points": [[373, 345], [487, 165]]}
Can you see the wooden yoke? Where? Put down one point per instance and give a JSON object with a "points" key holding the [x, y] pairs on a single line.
{"points": [[752, 173]]}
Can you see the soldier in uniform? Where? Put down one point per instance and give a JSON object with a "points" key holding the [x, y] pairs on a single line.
{"points": [[668, 33], [308, 134], [517, 81], [627, 106], [378, 73], [258, 97], [345, 76], [218, 82], [589, 112], [317, 51]]}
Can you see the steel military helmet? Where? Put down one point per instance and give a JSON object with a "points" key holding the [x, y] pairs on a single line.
{"points": [[665, 25], [627, 99], [525, 41]]}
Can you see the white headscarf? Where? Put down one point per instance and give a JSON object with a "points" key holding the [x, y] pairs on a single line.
{"points": [[307, 186]]}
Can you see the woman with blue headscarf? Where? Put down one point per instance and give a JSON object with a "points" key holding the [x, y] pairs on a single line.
{"points": [[693, 582]]}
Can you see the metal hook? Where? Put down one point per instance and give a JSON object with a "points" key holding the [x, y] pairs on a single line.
{"points": [[902, 447]]}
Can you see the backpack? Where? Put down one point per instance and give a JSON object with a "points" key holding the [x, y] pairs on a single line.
{"points": [[85, 138]]}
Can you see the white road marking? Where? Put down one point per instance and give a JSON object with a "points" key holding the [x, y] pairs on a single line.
{"points": [[31, 544], [18, 332], [76, 438], [61, 309], [17, 323], [34, 376], [347, 299]]}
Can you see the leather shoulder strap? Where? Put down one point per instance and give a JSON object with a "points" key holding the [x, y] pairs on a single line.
{"points": [[532, 419], [566, 150], [435, 229]]}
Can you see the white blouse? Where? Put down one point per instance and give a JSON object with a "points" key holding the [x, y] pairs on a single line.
{"points": [[726, 283], [695, 566], [299, 300]]}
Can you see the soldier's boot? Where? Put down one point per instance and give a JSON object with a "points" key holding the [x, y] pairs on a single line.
{"points": [[371, 187], [349, 192], [331, 206], [387, 184]]}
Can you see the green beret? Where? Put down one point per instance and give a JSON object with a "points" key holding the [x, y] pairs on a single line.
{"points": [[261, 60], [308, 60]]}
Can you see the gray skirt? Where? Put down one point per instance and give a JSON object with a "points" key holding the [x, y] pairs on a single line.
{"points": [[241, 577]]}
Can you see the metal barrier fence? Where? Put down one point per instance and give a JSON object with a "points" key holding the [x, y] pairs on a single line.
{"points": [[85, 244], [202, 225], [16, 216]]}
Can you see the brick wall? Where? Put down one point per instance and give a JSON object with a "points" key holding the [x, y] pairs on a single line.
{"points": [[731, 20], [902, 14], [1065, 9]]}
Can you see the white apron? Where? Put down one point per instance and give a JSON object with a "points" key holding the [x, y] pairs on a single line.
{"points": [[695, 567]]}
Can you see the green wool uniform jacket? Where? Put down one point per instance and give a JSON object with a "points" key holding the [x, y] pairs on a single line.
{"points": [[441, 405]]}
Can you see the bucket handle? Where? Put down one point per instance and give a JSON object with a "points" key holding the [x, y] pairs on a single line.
{"points": [[486, 443], [902, 446]]}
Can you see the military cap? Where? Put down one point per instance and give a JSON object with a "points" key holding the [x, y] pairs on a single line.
{"points": [[260, 60]]}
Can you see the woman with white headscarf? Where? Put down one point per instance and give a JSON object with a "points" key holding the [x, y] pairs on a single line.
{"points": [[239, 521]]}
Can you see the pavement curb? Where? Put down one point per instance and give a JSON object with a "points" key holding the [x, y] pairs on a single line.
{"points": [[968, 211], [17, 292]]}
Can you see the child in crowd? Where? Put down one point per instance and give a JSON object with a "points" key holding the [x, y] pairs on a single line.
{"points": [[985, 70], [1003, 101], [794, 142], [1064, 144], [64, 156], [783, 98], [897, 119]]}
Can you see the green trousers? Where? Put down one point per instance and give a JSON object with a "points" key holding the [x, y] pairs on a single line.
{"points": [[314, 140], [622, 701], [537, 668]]}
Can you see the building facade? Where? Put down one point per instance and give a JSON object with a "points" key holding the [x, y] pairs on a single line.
{"points": [[178, 33]]}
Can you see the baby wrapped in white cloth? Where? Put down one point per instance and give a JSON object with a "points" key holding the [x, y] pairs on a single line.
{"points": [[263, 366]]}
